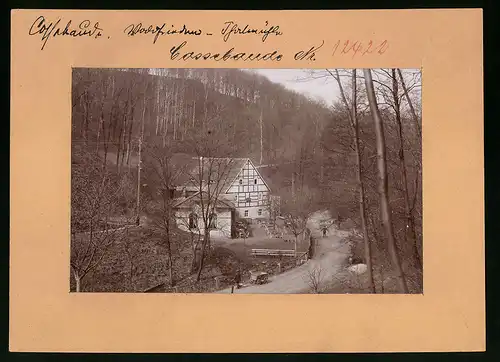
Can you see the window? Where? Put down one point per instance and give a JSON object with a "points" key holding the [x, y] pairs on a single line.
{"points": [[193, 221], [246, 213], [259, 212], [260, 195], [255, 181], [212, 223]]}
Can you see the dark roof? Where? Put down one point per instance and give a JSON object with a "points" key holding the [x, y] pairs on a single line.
{"points": [[224, 170], [236, 166], [187, 202], [271, 176]]}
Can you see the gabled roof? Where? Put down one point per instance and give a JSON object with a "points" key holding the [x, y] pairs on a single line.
{"points": [[187, 202], [270, 176], [229, 169], [236, 168], [260, 174], [222, 169]]}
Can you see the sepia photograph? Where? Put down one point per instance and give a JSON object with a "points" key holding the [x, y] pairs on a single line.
{"points": [[254, 181]]}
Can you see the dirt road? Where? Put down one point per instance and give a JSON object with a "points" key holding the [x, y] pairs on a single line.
{"points": [[331, 251]]}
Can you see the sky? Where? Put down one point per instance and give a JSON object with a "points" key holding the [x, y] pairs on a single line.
{"points": [[321, 87], [296, 79]]}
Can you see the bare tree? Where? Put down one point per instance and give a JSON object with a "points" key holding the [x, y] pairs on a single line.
{"points": [[410, 104], [165, 172], [139, 165], [95, 201], [195, 237], [404, 178], [209, 178], [261, 138], [296, 209], [130, 253], [353, 118], [385, 211], [315, 278]]}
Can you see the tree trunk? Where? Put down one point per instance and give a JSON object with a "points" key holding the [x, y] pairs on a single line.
{"points": [[129, 137], [168, 105], [382, 279], [295, 246], [78, 281], [194, 262], [86, 119], [170, 259], [322, 166], [194, 111], [361, 190], [128, 156], [118, 149], [311, 247], [175, 114], [410, 103], [410, 226], [385, 210], [139, 164], [202, 257], [167, 216], [261, 135], [105, 138], [123, 147], [157, 107], [131, 272], [98, 135], [170, 269]]}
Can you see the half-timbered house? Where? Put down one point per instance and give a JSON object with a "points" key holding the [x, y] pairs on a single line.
{"points": [[236, 180], [248, 191]]}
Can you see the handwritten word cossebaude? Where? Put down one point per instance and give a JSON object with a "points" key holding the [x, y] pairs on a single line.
{"points": [[158, 30], [230, 27], [50, 29], [178, 53]]}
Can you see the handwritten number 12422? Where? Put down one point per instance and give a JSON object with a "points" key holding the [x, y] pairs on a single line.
{"points": [[357, 47]]}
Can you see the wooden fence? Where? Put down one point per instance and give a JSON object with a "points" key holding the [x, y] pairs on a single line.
{"points": [[272, 252]]}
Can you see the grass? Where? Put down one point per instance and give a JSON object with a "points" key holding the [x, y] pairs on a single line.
{"points": [[383, 274], [243, 247], [140, 262], [144, 265]]}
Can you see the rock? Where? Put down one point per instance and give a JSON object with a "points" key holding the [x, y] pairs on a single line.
{"points": [[358, 268]]}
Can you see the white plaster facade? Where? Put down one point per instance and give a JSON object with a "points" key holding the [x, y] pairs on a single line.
{"points": [[188, 217]]}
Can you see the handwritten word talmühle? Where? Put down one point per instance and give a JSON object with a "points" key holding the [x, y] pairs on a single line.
{"points": [[230, 27]]}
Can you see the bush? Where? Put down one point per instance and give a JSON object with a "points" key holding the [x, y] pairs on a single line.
{"points": [[357, 254]]}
